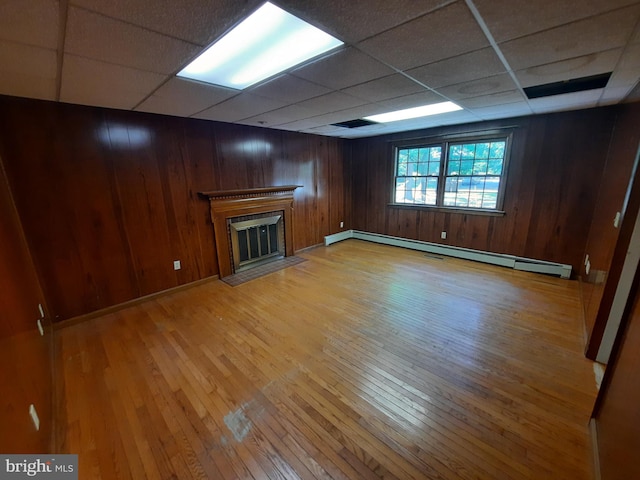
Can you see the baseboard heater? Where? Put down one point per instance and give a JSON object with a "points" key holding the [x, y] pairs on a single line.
{"points": [[501, 259]]}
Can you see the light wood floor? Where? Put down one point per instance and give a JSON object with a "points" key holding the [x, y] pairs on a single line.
{"points": [[365, 361]]}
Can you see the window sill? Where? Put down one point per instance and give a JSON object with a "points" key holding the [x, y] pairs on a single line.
{"points": [[459, 210]]}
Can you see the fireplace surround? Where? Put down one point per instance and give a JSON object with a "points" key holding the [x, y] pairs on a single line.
{"points": [[249, 211]]}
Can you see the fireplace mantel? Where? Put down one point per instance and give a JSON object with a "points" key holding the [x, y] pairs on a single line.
{"points": [[226, 204]]}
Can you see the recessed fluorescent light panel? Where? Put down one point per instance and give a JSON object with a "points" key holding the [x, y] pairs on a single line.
{"points": [[267, 42], [415, 112]]}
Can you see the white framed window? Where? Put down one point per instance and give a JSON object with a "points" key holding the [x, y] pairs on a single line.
{"points": [[463, 173]]}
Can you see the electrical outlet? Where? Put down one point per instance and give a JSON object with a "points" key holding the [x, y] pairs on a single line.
{"points": [[443, 235], [341, 224], [41, 310], [40, 329], [34, 416], [176, 265]]}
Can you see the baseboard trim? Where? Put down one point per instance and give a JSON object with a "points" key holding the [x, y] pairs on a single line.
{"points": [[130, 303], [500, 259]]}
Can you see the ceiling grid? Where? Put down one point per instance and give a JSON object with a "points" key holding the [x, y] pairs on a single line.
{"points": [[397, 54]]}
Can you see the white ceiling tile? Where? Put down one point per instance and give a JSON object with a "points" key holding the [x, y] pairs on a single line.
{"points": [[244, 105], [500, 98], [89, 82], [508, 19], [450, 118], [28, 60], [95, 36], [567, 101], [288, 88], [385, 88], [476, 88], [630, 58], [27, 71], [280, 116], [325, 130], [343, 115], [586, 65], [367, 131], [514, 109], [33, 22], [356, 112], [300, 125], [19, 84], [355, 20], [428, 39], [196, 21], [612, 95], [344, 68], [426, 97], [624, 78], [462, 68], [330, 102], [597, 34], [184, 98]]}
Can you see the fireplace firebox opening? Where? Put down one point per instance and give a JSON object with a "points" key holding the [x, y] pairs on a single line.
{"points": [[256, 240]]}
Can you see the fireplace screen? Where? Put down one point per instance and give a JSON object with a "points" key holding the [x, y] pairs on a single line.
{"points": [[256, 240]]}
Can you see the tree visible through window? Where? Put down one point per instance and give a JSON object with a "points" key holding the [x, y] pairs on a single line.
{"points": [[462, 174]]}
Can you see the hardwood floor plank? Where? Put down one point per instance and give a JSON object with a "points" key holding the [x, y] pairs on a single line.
{"points": [[365, 361]]}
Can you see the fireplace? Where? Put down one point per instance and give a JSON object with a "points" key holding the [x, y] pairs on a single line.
{"points": [[251, 226], [256, 239]]}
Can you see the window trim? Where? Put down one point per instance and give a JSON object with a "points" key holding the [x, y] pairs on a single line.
{"points": [[444, 141]]}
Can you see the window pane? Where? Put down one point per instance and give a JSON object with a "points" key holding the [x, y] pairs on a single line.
{"points": [[450, 191], [420, 193], [449, 199], [464, 183], [476, 191], [400, 193], [492, 185], [454, 168], [479, 168], [402, 163], [489, 200], [434, 168], [462, 201], [424, 154], [412, 168], [412, 155], [454, 152], [466, 167], [482, 150], [469, 151], [497, 150], [436, 153], [409, 188], [494, 167], [423, 169], [432, 191]]}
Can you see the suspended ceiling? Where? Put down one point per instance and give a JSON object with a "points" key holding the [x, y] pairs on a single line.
{"points": [[481, 54]]}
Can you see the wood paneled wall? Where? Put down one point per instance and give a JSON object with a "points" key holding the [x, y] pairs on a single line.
{"points": [[108, 199], [25, 356], [553, 179], [617, 414], [603, 235]]}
